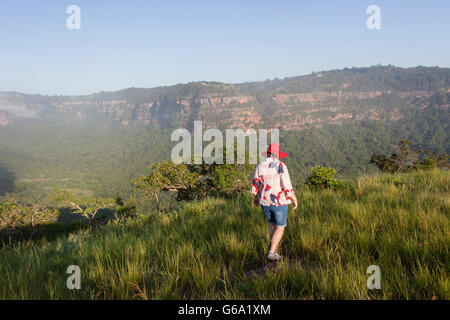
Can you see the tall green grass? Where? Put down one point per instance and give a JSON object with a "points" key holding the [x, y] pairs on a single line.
{"points": [[215, 249]]}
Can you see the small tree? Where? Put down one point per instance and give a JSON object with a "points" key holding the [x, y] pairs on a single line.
{"points": [[405, 158], [39, 214], [402, 158], [384, 163], [167, 176], [87, 206], [14, 216], [322, 177], [194, 181]]}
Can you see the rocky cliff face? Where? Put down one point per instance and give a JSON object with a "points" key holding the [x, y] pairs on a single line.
{"points": [[331, 99]]}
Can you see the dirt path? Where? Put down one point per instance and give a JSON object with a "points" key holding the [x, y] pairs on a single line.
{"points": [[274, 265]]}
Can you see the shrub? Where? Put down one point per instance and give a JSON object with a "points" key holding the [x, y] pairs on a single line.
{"points": [[323, 177], [23, 222], [13, 215], [126, 209], [230, 179], [427, 164]]}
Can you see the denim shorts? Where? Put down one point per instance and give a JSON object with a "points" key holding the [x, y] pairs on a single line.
{"points": [[276, 215]]}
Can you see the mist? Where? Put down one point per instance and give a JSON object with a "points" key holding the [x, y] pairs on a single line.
{"points": [[20, 111]]}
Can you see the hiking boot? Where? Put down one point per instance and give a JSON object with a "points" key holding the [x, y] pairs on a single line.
{"points": [[274, 256]]}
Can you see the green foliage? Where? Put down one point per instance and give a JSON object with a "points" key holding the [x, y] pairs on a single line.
{"points": [[13, 215], [428, 164], [230, 179], [322, 177], [384, 163], [23, 222], [400, 160], [194, 181], [375, 78], [407, 159], [125, 210], [169, 176], [430, 159]]}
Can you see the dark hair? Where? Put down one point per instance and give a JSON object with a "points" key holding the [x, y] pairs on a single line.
{"points": [[269, 154]]}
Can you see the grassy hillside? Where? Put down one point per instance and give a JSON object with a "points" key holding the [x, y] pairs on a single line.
{"points": [[215, 249]]}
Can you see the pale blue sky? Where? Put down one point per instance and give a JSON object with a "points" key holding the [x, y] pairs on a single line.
{"points": [[136, 43]]}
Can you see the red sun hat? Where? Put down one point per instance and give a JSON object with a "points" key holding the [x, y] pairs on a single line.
{"points": [[274, 148]]}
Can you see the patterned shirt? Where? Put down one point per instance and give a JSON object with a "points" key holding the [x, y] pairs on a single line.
{"points": [[272, 183]]}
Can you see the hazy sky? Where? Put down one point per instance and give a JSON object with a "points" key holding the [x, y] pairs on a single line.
{"points": [[136, 43]]}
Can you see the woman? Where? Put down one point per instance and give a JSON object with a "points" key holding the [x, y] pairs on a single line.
{"points": [[272, 190]]}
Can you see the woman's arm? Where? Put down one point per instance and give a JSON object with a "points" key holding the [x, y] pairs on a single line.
{"points": [[256, 186], [287, 185]]}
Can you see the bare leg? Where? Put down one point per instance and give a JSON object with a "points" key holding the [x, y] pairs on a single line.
{"points": [[277, 235], [271, 230]]}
